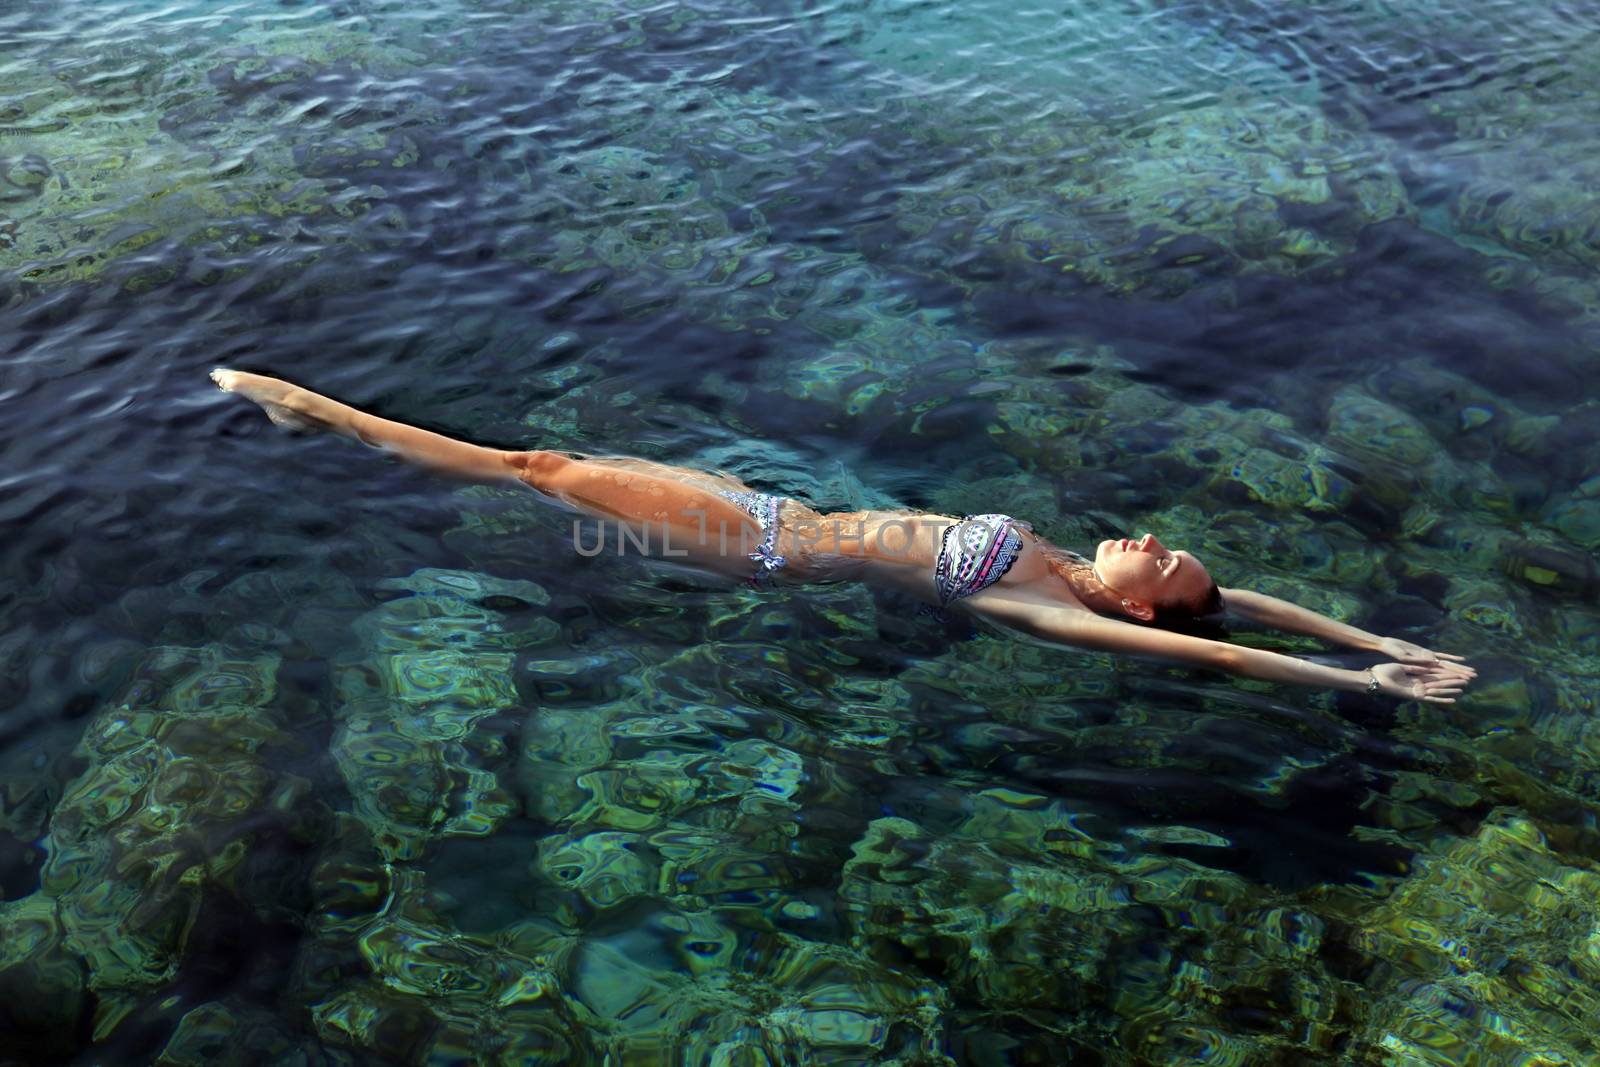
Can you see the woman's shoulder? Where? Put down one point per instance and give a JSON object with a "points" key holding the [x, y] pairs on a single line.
{"points": [[1043, 571]]}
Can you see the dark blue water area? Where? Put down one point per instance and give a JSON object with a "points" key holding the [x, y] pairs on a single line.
{"points": [[309, 754]]}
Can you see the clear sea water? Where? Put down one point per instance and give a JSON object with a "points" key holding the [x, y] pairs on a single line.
{"points": [[307, 757]]}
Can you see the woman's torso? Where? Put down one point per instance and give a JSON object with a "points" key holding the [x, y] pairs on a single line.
{"points": [[901, 549], [898, 549]]}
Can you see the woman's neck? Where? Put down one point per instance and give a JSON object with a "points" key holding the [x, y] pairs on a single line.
{"points": [[1091, 592]]}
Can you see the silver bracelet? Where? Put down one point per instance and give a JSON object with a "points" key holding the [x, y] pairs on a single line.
{"points": [[1372, 682]]}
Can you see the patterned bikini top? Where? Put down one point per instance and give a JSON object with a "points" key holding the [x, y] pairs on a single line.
{"points": [[974, 554]]}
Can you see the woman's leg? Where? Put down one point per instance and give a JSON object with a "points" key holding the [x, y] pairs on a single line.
{"points": [[301, 409], [681, 508]]}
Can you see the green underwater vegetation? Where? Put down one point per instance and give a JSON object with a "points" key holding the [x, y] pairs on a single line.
{"points": [[363, 777]]}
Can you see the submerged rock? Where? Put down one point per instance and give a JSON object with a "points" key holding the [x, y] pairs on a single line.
{"points": [[431, 667], [1486, 951], [654, 990], [1161, 205], [23, 178], [1553, 567], [143, 156], [623, 207], [43, 995], [1059, 937], [177, 788], [227, 1032]]}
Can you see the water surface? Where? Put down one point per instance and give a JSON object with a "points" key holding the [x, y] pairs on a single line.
{"points": [[307, 756]]}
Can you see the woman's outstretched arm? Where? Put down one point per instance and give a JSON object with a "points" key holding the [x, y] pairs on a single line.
{"points": [[1084, 629], [1294, 619]]}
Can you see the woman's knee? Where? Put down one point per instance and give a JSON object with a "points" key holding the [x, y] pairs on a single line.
{"points": [[538, 468]]}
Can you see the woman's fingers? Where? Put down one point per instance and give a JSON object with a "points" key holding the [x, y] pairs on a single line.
{"points": [[1436, 683], [1451, 655], [1455, 666], [1441, 672]]}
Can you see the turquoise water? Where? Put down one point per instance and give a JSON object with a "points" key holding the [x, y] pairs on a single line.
{"points": [[307, 757]]}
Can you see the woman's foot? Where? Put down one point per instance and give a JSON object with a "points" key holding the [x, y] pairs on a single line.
{"points": [[285, 404]]}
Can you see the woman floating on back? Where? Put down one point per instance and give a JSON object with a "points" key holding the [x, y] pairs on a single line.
{"points": [[991, 566]]}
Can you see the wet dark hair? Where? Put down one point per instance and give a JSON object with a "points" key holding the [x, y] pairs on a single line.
{"points": [[1199, 617], [1207, 603]]}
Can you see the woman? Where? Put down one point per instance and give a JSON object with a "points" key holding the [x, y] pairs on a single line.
{"points": [[991, 566]]}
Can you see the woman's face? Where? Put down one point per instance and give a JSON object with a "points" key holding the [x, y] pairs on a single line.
{"points": [[1146, 570]]}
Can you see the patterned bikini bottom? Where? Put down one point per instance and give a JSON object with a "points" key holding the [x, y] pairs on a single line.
{"points": [[763, 507], [975, 553]]}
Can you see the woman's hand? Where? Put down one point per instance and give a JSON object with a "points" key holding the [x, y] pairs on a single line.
{"points": [[1405, 652], [1439, 684]]}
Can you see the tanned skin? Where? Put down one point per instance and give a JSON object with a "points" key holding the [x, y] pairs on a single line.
{"points": [[1096, 607]]}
